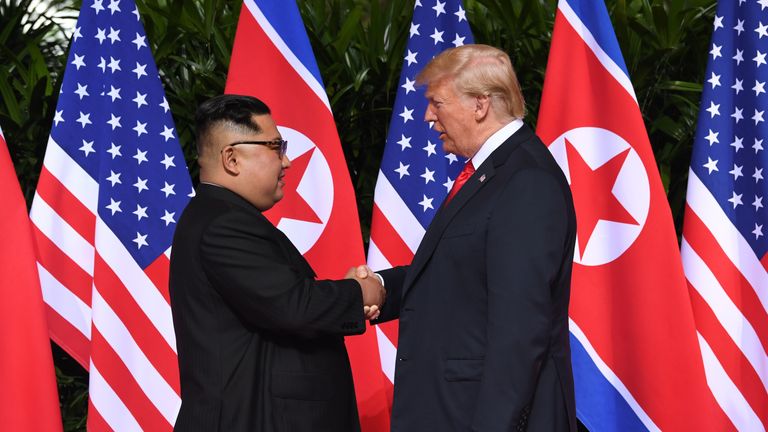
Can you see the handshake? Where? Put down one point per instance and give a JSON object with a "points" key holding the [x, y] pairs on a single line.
{"points": [[372, 288]]}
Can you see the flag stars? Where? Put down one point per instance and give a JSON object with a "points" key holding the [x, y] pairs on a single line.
{"points": [[713, 110], [711, 165], [136, 12], [439, 8], [763, 4], [458, 41], [426, 203], [451, 158], [58, 117], [461, 14], [114, 178], [716, 51], [168, 218], [712, 137], [78, 61], [739, 57], [113, 6], [758, 145], [718, 22], [140, 156], [114, 64], [168, 189], [405, 142], [736, 171], [737, 114], [114, 36], [761, 30], [164, 105], [759, 59], [140, 240], [140, 99], [739, 27], [758, 231], [714, 80], [140, 185], [738, 85], [168, 161], [428, 176], [437, 36], [101, 34], [759, 87], [114, 121], [414, 31], [140, 70], [411, 57], [82, 91], [76, 35], [114, 150], [140, 128], [448, 184], [97, 6], [758, 117], [757, 203], [735, 200], [114, 93], [403, 170], [87, 148], [737, 143], [409, 85], [114, 206], [140, 212], [102, 65], [758, 175], [140, 41], [407, 114], [429, 148], [167, 133], [85, 119]]}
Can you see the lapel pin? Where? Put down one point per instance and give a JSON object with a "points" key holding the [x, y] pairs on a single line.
{"points": [[482, 178]]}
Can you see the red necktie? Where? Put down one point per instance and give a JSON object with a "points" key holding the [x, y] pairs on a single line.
{"points": [[464, 175]]}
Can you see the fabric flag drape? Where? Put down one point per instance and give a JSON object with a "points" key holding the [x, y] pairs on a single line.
{"points": [[724, 234], [30, 400], [634, 347], [273, 61], [416, 174], [112, 186]]}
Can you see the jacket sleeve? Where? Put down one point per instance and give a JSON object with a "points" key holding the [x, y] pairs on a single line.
{"points": [[526, 243], [393, 284], [249, 269]]}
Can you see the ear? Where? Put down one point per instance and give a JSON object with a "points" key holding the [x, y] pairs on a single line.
{"points": [[482, 107], [229, 161]]}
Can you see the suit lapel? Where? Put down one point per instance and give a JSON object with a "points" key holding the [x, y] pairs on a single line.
{"points": [[482, 177]]}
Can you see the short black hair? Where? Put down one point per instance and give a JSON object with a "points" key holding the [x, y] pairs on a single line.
{"points": [[235, 110]]}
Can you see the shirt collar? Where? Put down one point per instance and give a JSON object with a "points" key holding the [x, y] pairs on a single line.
{"points": [[494, 141]]}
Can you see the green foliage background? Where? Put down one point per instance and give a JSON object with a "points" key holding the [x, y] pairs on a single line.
{"points": [[359, 46]]}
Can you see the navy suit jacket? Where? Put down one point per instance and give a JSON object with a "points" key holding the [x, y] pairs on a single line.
{"points": [[483, 307]]}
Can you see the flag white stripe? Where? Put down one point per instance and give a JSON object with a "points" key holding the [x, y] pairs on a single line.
{"points": [[65, 303], [387, 354], [376, 260], [728, 314], [138, 284], [607, 62], [726, 393], [610, 376], [294, 61], [61, 233], [397, 213], [149, 379], [735, 246], [108, 404], [71, 175]]}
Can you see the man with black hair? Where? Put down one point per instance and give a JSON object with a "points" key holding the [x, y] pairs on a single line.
{"points": [[260, 341]]}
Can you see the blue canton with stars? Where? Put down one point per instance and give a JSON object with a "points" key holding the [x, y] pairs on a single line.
{"points": [[729, 152], [414, 161], [112, 118]]}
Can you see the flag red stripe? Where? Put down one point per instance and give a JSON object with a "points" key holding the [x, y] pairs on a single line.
{"points": [[53, 192], [61, 267], [730, 356], [96, 422], [388, 240], [68, 337], [730, 278], [146, 335], [120, 378], [158, 273]]}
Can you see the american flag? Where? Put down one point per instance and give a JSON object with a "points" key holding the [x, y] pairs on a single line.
{"points": [[415, 174], [724, 236], [113, 184]]}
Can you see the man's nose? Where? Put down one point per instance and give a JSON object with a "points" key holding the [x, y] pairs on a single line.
{"points": [[429, 115], [286, 162]]}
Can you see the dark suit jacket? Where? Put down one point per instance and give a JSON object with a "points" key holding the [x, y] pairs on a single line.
{"points": [[483, 307], [260, 341]]}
